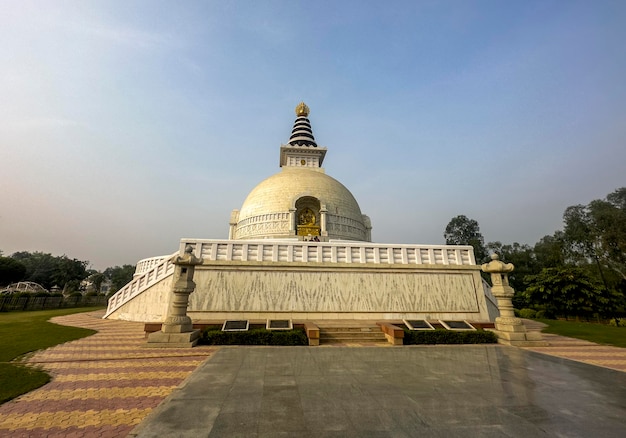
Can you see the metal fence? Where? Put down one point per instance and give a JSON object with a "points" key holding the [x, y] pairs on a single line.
{"points": [[8, 303]]}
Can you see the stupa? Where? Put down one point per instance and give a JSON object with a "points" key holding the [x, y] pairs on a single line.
{"points": [[300, 200], [300, 248]]}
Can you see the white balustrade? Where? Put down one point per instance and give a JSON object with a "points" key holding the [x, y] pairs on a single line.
{"points": [[146, 265], [328, 252], [140, 283]]}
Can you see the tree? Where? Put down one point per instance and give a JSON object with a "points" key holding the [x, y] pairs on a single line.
{"points": [[119, 276], [597, 233], [550, 251], [95, 281], [11, 271], [69, 273], [609, 225], [464, 231], [618, 198], [40, 267], [566, 291], [48, 270]]}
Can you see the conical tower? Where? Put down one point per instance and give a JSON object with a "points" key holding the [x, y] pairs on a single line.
{"points": [[302, 150], [302, 134]]}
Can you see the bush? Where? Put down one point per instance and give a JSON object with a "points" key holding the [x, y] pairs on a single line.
{"points": [[213, 336], [41, 295], [516, 312], [540, 314], [291, 337], [440, 336], [616, 322], [528, 313]]}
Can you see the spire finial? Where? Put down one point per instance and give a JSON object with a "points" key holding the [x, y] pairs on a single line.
{"points": [[302, 110]]}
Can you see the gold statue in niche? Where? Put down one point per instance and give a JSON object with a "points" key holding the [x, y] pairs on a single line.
{"points": [[307, 217], [307, 223]]}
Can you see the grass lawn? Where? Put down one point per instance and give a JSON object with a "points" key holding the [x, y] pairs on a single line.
{"points": [[24, 332], [598, 333]]}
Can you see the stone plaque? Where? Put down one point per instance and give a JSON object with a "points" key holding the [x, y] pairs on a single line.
{"points": [[235, 325], [279, 324], [418, 324], [457, 325]]}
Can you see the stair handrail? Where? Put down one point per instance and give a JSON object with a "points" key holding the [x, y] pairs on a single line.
{"points": [[140, 283]]}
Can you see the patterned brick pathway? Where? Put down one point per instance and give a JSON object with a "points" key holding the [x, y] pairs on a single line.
{"points": [[106, 384], [102, 385], [579, 350]]}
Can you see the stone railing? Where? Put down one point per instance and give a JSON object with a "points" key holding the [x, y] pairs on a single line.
{"points": [[328, 252], [140, 283], [146, 265]]}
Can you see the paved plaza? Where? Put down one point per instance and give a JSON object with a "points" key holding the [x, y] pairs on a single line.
{"points": [[437, 391], [108, 385]]}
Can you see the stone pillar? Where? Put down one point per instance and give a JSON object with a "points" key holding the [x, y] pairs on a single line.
{"points": [[177, 330], [232, 224], [292, 221], [323, 219], [510, 330], [368, 227]]}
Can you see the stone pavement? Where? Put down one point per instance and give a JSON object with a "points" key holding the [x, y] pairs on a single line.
{"points": [[107, 384], [102, 385], [433, 391]]}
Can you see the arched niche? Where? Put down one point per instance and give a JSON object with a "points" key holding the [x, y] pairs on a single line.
{"points": [[308, 221]]}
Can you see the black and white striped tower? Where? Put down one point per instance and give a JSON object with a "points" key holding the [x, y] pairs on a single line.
{"points": [[301, 150], [302, 134]]}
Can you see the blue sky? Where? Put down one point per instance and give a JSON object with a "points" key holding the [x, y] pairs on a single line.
{"points": [[125, 126]]}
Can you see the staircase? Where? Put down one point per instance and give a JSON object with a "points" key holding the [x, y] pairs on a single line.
{"points": [[350, 332]]}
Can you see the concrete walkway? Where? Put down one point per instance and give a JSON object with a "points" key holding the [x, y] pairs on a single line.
{"points": [[107, 384]]}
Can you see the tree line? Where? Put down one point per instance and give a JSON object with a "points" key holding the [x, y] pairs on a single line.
{"points": [[577, 271], [68, 275]]}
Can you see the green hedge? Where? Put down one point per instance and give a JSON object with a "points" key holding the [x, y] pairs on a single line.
{"points": [[254, 337], [528, 313], [440, 336]]}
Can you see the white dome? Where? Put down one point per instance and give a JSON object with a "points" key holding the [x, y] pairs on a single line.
{"points": [[271, 208]]}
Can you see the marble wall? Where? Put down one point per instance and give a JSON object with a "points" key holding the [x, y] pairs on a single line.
{"points": [[333, 291], [258, 290], [317, 292]]}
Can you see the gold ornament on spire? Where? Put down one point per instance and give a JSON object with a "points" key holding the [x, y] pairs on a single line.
{"points": [[302, 110]]}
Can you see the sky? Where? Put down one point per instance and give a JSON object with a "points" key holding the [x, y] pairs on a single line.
{"points": [[128, 125]]}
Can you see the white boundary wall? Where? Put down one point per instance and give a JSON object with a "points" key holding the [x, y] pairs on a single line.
{"points": [[314, 280]]}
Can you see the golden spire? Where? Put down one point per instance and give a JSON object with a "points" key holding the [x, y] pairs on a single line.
{"points": [[302, 110]]}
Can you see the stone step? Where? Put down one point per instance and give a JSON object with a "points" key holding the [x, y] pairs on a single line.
{"points": [[351, 329], [343, 334], [352, 335], [339, 339], [352, 340]]}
